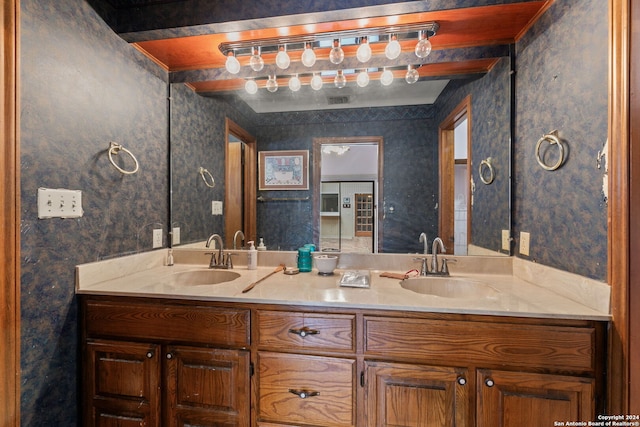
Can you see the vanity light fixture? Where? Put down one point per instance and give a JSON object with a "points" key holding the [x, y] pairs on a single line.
{"points": [[364, 50], [412, 75], [294, 83], [340, 80], [423, 47], [251, 86], [336, 55], [386, 78], [232, 64], [282, 58], [393, 48], [308, 56], [363, 78], [316, 82], [256, 62], [272, 84]]}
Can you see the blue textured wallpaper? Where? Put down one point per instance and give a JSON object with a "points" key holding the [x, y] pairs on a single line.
{"points": [[562, 84], [81, 87]]}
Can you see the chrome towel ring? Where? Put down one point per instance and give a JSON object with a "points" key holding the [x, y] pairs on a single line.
{"points": [[484, 166], [114, 149], [552, 139], [209, 182]]}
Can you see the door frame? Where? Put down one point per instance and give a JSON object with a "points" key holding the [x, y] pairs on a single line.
{"points": [[250, 166], [446, 163], [317, 180]]}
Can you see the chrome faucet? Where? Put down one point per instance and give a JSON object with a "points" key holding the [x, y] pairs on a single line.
{"points": [[235, 237], [425, 243], [434, 257], [219, 261]]}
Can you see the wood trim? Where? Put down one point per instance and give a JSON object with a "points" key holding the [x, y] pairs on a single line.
{"points": [[316, 174], [9, 202], [446, 168], [250, 192], [618, 214]]}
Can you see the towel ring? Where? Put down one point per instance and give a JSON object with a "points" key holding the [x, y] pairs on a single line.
{"points": [[204, 174], [114, 149], [484, 165], [552, 139]]}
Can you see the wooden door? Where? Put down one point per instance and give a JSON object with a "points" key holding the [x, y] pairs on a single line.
{"points": [[122, 384], [206, 387], [234, 190], [515, 399], [403, 395]]}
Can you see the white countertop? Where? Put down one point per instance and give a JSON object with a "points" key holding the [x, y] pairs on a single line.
{"points": [[144, 275]]}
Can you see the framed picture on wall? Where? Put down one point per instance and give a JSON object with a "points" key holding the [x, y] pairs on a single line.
{"points": [[283, 170]]}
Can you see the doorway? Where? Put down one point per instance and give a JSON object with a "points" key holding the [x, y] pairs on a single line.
{"points": [[349, 173], [240, 184], [456, 195]]}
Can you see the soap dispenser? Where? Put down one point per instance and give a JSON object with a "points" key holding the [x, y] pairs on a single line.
{"points": [[252, 256], [261, 246]]}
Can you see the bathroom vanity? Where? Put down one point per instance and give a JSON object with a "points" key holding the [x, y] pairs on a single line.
{"points": [[301, 351]]}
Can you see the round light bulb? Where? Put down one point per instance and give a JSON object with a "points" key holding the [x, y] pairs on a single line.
{"points": [[336, 55], [364, 51], [294, 83], [256, 62], [308, 56], [386, 78], [423, 47], [282, 59], [272, 84], [393, 48], [412, 75], [316, 82], [363, 78], [340, 80], [232, 65], [251, 87]]}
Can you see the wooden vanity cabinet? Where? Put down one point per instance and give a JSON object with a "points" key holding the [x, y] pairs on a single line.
{"points": [[160, 363], [306, 369]]}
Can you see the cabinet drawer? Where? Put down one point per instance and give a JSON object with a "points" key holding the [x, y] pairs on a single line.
{"points": [[306, 390], [168, 322], [517, 345], [299, 331]]}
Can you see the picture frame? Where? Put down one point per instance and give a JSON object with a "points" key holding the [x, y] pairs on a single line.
{"points": [[283, 170]]}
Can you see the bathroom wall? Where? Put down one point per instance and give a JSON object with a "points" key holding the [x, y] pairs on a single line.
{"points": [[562, 70], [81, 87]]}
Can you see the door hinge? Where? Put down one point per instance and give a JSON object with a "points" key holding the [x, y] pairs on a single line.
{"points": [[251, 369], [362, 379]]}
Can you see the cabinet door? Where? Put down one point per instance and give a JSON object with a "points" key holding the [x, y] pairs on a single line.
{"points": [[509, 399], [306, 390], [403, 395], [122, 384], [206, 387]]}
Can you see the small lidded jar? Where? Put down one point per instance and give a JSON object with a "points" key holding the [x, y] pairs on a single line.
{"points": [[304, 260]]}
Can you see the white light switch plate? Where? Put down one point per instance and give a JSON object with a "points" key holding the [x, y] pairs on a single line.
{"points": [[525, 240], [175, 236], [506, 240], [157, 238], [59, 203]]}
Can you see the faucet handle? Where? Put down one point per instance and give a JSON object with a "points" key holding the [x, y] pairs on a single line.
{"points": [[229, 262], [213, 261], [445, 266], [423, 270]]}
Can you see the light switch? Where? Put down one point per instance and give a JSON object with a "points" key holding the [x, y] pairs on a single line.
{"points": [[216, 207], [59, 203]]}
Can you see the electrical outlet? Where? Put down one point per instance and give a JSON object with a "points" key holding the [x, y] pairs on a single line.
{"points": [[175, 236], [157, 238], [216, 207], [525, 240], [506, 240], [59, 203]]}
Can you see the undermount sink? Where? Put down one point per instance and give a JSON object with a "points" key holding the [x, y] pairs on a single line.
{"points": [[203, 277], [449, 287]]}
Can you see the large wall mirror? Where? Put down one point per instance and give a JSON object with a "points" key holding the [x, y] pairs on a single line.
{"points": [[430, 185]]}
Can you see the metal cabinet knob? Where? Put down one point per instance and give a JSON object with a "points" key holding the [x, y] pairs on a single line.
{"points": [[149, 354], [169, 356], [462, 380], [489, 382]]}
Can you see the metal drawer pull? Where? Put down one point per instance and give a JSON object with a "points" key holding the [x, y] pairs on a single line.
{"points": [[303, 394], [303, 332]]}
